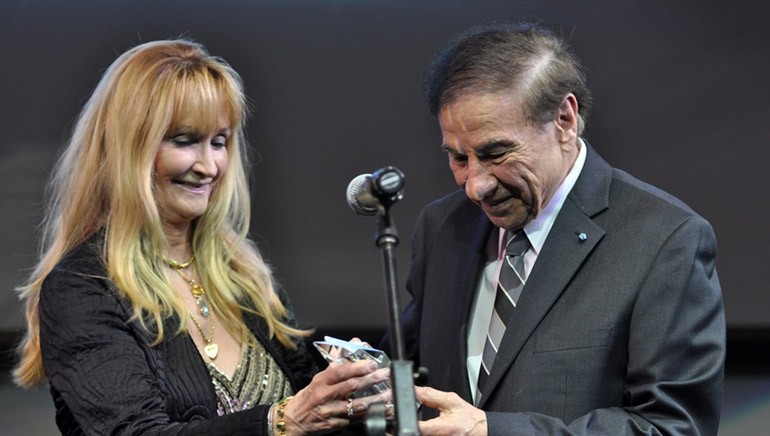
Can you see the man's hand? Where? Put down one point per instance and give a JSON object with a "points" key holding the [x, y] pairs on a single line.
{"points": [[456, 416]]}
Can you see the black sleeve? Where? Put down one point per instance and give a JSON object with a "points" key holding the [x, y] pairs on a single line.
{"points": [[98, 364]]}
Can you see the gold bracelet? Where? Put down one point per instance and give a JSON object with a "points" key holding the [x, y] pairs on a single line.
{"points": [[281, 425]]}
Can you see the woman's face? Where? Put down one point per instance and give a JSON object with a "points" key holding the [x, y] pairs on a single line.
{"points": [[188, 165]]}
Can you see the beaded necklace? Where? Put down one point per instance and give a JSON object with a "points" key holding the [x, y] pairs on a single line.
{"points": [[210, 348]]}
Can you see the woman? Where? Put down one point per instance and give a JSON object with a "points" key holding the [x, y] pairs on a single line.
{"points": [[150, 312]]}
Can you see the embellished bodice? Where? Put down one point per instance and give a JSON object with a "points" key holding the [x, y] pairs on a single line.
{"points": [[258, 379]]}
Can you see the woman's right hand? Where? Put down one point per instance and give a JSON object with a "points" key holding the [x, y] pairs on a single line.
{"points": [[324, 405]]}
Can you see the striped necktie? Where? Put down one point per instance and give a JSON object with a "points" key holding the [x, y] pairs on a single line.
{"points": [[510, 283]]}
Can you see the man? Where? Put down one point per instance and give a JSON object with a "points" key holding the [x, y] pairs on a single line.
{"points": [[614, 322]]}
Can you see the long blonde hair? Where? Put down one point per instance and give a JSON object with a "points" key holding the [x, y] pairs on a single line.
{"points": [[103, 182]]}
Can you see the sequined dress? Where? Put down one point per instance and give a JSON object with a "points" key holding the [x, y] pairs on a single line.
{"points": [[256, 380]]}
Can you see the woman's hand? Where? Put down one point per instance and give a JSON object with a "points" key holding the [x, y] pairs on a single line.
{"points": [[324, 405]]}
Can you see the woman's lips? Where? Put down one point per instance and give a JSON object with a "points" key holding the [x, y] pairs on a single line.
{"points": [[196, 188]]}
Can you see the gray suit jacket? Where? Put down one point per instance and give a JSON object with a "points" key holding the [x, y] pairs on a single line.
{"points": [[622, 333]]}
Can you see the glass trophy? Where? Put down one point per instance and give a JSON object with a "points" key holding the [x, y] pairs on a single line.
{"points": [[336, 351]]}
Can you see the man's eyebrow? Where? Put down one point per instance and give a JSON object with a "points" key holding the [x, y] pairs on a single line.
{"points": [[491, 148], [446, 148]]}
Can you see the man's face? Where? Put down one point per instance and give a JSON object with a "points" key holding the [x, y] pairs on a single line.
{"points": [[507, 166]]}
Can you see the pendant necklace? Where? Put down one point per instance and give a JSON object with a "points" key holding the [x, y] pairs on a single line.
{"points": [[210, 348]]}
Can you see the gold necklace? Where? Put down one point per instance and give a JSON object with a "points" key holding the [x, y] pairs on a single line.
{"points": [[177, 266], [210, 348]]}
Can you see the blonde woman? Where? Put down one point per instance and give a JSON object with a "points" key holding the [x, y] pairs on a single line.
{"points": [[150, 312]]}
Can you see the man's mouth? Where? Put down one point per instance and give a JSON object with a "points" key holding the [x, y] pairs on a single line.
{"points": [[492, 203]]}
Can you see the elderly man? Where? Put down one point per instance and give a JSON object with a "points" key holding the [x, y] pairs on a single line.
{"points": [[554, 294]]}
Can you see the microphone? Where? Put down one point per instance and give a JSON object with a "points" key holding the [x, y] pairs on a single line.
{"points": [[366, 193]]}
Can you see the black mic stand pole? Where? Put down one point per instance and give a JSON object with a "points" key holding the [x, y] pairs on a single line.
{"points": [[401, 370]]}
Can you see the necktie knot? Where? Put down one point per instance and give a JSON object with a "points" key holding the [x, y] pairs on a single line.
{"points": [[518, 245]]}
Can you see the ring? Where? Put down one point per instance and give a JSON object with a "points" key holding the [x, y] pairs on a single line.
{"points": [[350, 408], [389, 406]]}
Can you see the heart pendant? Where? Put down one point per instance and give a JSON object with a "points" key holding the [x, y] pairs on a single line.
{"points": [[211, 350]]}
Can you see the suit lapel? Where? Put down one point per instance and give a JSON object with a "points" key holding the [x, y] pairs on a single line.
{"points": [[475, 244], [562, 255], [468, 277]]}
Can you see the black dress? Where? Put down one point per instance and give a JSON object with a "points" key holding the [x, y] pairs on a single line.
{"points": [[106, 377]]}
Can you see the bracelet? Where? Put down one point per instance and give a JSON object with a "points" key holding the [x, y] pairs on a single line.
{"points": [[281, 425]]}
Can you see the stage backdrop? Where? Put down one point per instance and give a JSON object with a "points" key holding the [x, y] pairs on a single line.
{"points": [[681, 101]]}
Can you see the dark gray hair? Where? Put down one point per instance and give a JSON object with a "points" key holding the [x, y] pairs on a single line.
{"points": [[519, 57]]}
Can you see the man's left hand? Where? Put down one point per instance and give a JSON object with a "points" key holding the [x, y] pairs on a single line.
{"points": [[456, 416]]}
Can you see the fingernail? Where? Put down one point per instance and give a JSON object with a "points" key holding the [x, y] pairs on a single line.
{"points": [[372, 366]]}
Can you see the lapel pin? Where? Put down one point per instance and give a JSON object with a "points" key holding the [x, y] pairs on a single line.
{"points": [[582, 236]]}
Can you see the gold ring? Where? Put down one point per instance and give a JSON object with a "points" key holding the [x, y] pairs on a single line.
{"points": [[351, 412]]}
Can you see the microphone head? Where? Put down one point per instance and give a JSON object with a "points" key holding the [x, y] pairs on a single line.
{"points": [[359, 195]]}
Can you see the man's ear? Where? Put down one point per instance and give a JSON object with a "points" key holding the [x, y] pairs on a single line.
{"points": [[567, 119]]}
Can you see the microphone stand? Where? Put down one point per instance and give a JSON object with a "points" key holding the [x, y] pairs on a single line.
{"points": [[401, 370]]}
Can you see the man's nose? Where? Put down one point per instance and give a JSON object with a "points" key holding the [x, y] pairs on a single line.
{"points": [[480, 182]]}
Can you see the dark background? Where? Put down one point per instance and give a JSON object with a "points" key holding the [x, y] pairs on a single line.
{"points": [[681, 92]]}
